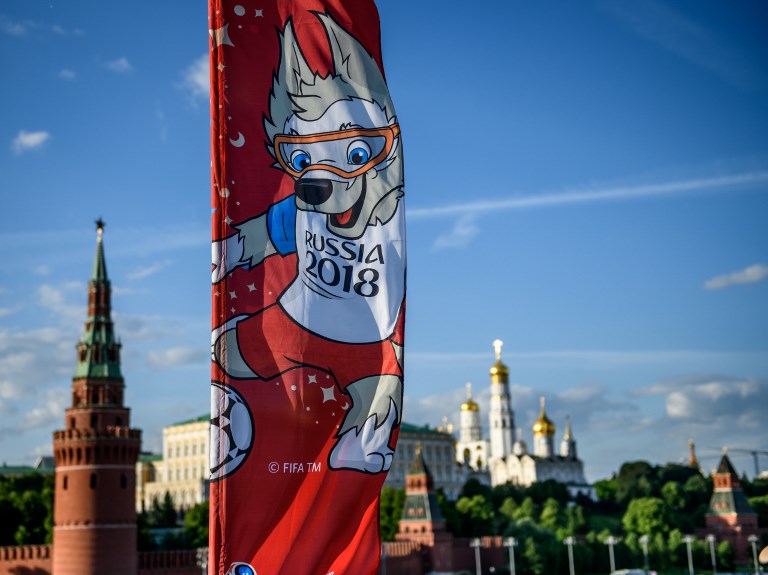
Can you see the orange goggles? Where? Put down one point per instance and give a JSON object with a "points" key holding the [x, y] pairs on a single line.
{"points": [[346, 153]]}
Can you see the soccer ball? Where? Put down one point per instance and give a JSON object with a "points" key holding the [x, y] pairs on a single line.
{"points": [[231, 430]]}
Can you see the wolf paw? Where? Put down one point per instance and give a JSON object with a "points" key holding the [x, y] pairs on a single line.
{"points": [[367, 449]]}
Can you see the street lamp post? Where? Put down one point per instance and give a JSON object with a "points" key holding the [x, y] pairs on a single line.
{"points": [[610, 541], [753, 539], [711, 538], [383, 559], [569, 542], [511, 543], [202, 559], [688, 540], [476, 544], [644, 542]]}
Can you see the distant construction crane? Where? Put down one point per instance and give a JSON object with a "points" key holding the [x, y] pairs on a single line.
{"points": [[754, 453]]}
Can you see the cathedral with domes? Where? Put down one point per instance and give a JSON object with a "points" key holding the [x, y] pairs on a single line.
{"points": [[505, 456]]}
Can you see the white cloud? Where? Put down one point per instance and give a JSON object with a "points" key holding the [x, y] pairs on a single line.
{"points": [[34, 359], [178, 356], [723, 183], [67, 74], [464, 231], [12, 28], [714, 402], [752, 274], [6, 311], [59, 29], [121, 65], [149, 270], [57, 299], [48, 410], [26, 141], [196, 79]]}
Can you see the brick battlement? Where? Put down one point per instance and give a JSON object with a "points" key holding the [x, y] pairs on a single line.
{"points": [[168, 563], [25, 552], [110, 432], [401, 548]]}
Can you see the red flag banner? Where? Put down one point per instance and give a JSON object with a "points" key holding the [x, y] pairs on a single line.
{"points": [[308, 246]]}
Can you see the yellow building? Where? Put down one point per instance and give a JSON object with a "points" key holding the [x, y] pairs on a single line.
{"points": [[182, 470]]}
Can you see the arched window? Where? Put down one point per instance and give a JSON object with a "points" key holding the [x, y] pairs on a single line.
{"points": [[65, 483], [123, 481], [93, 481]]}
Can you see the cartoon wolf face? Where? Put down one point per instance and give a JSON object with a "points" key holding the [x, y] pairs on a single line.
{"points": [[337, 136]]}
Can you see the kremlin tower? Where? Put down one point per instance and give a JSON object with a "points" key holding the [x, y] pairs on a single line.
{"points": [[471, 448], [543, 434], [500, 417], [94, 511]]}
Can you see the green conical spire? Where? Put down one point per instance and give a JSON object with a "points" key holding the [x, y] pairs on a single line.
{"points": [[99, 265], [98, 353]]}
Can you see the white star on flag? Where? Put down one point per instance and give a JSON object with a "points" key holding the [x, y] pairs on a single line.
{"points": [[328, 394], [251, 287], [312, 379], [221, 36]]}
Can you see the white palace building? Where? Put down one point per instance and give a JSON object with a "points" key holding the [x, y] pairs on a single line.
{"points": [[506, 458]]}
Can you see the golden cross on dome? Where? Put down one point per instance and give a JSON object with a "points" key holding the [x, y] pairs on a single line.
{"points": [[497, 343], [469, 391]]}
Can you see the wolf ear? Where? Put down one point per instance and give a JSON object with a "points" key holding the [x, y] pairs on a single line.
{"points": [[294, 70], [353, 63], [291, 76]]}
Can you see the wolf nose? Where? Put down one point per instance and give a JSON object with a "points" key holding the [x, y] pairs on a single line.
{"points": [[313, 190]]}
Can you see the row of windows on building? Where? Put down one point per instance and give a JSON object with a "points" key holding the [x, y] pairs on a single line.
{"points": [[188, 472], [186, 450]]}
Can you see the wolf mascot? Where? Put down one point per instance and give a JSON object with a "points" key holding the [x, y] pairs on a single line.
{"points": [[338, 138]]}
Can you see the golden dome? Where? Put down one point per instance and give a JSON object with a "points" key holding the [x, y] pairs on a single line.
{"points": [[469, 405], [499, 368], [499, 371], [543, 425]]}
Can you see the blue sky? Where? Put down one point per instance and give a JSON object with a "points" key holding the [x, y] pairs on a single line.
{"points": [[587, 182]]}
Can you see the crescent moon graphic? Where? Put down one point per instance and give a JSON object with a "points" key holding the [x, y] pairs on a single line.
{"points": [[346, 406], [239, 141]]}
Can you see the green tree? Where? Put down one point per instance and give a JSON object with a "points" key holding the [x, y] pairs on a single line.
{"points": [[673, 495], [634, 480], [196, 526], [390, 511], [550, 517], [605, 489], [575, 523], [645, 516], [26, 508], [163, 514], [725, 555], [477, 516], [539, 550], [526, 510], [760, 505], [144, 539]]}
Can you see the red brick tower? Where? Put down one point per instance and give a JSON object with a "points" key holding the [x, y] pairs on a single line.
{"points": [[94, 513], [422, 521], [730, 516]]}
